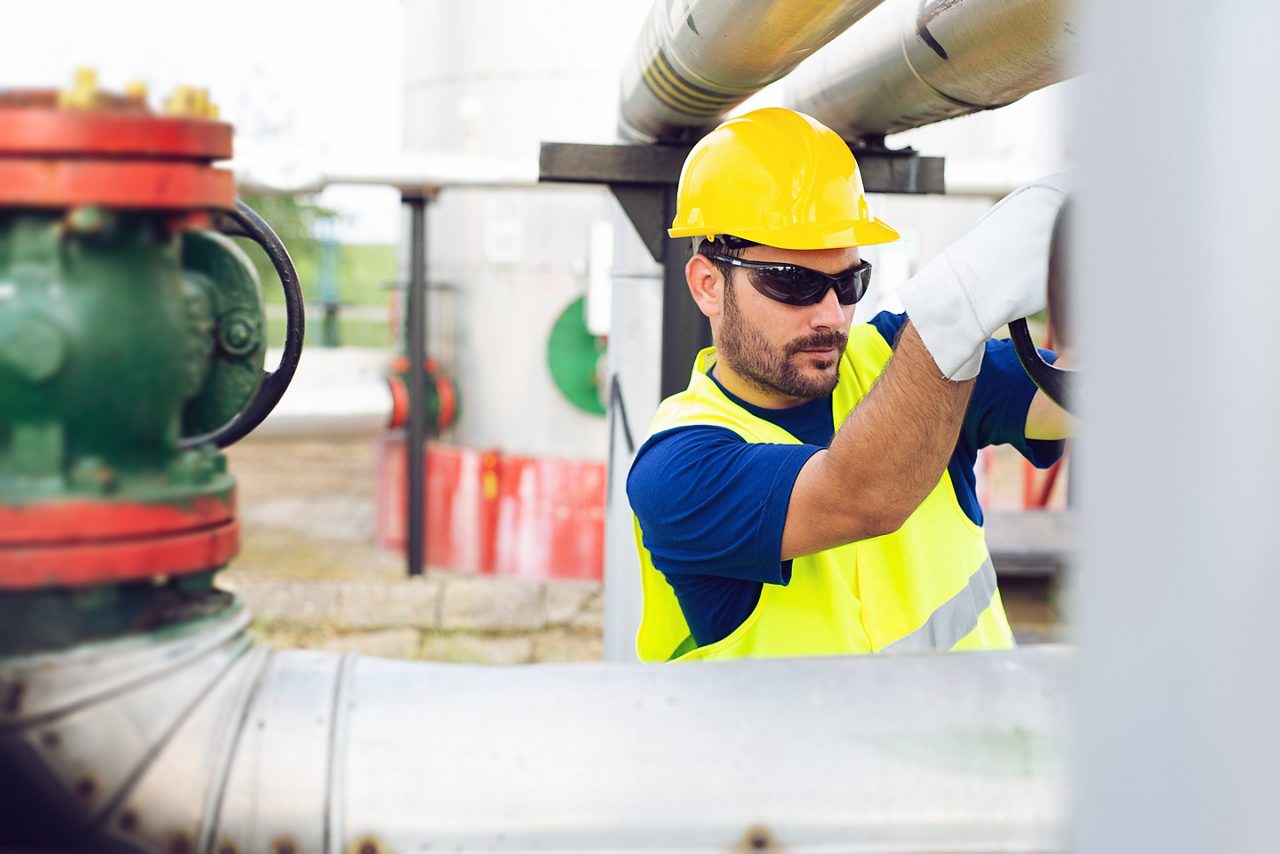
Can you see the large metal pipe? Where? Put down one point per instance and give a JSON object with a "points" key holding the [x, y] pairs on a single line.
{"points": [[697, 59], [912, 63], [194, 739]]}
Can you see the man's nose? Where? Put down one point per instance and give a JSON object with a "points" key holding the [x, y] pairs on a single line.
{"points": [[827, 312]]}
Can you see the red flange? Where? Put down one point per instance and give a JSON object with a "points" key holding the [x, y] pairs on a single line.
{"points": [[118, 156], [116, 561], [178, 186], [79, 542], [76, 521], [46, 131]]}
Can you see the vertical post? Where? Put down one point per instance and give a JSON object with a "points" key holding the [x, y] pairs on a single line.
{"points": [[685, 330], [416, 309], [1176, 695]]}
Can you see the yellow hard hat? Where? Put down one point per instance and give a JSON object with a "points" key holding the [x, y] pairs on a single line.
{"points": [[777, 177]]}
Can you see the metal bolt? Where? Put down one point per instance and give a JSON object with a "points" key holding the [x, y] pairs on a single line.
{"points": [[190, 467], [86, 788], [129, 821], [13, 697], [92, 475], [190, 102], [179, 103], [88, 219], [758, 839], [51, 740], [237, 333], [83, 94], [284, 845], [180, 844]]}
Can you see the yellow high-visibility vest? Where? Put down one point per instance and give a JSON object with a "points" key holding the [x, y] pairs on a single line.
{"points": [[929, 585]]}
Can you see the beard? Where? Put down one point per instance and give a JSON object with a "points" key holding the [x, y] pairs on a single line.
{"points": [[776, 370]]}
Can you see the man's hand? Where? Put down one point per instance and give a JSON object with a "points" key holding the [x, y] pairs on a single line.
{"points": [[994, 274]]}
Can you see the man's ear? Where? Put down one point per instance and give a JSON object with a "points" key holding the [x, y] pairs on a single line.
{"points": [[705, 284]]}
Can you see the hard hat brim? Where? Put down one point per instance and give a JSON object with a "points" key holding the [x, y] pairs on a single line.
{"points": [[827, 236]]}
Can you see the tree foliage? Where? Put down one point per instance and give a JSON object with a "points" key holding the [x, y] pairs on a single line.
{"points": [[295, 219]]}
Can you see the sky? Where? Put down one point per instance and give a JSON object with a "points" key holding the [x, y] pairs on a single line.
{"points": [[322, 74], [327, 76]]}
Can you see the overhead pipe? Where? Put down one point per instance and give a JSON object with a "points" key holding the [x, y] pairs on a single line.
{"points": [[696, 60], [913, 63]]}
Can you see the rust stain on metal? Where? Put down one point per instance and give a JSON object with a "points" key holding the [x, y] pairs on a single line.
{"points": [[13, 694], [758, 838], [226, 846], [927, 12], [365, 845], [179, 844], [284, 845]]}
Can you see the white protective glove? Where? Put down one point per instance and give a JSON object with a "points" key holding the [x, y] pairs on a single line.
{"points": [[996, 273]]}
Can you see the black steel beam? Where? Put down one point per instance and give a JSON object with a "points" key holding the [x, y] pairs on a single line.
{"points": [[415, 441], [884, 170], [685, 329], [578, 163]]}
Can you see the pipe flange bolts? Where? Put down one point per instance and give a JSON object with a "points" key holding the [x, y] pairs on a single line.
{"points": [[238, 332]]}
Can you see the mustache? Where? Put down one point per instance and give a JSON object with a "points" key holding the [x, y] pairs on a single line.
{"points": [[819, 341]]}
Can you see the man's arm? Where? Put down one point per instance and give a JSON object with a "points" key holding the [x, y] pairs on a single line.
{"points": [[884, 460], [894, 446]]}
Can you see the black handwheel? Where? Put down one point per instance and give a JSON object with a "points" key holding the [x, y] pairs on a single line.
{"points": [[245, 222], [1055, 382]]}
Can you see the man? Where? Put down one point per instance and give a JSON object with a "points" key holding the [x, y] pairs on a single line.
{"points": [[812, 491]]}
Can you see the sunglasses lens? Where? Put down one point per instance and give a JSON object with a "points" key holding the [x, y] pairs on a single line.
{"points": [[852, 286], [795, 285], [787, 284]]}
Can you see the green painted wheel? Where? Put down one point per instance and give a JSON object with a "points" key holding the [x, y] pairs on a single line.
{"points": [[573, 355]]}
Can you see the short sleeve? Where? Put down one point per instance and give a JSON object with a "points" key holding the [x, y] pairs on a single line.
{"points": [[997, 413], [710, 503], [889, 325]]}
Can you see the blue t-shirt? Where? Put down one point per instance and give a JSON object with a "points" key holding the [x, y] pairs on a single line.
{"points": [[712, 506]]}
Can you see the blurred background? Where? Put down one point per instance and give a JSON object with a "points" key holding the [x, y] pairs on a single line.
{"points": [[336, 106], [538, 298]]}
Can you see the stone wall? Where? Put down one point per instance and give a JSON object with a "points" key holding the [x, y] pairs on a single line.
{"points": [[441, 618]]}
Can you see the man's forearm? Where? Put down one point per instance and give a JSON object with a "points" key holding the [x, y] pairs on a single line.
{"points": [[884, 459]]}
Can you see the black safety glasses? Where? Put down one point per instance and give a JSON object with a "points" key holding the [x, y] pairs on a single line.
{"points": [[796, 285]]}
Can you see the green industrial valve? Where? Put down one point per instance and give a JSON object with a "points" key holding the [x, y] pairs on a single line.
{"points": [[131, 349]]}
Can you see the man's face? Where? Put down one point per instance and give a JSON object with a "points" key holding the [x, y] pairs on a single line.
{"points": [[791, 353]]}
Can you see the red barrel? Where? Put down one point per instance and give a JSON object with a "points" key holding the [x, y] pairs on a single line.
{"points": [[490, 513]]}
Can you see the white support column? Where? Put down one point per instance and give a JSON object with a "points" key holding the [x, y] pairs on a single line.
{"points": [[1176, 608]]}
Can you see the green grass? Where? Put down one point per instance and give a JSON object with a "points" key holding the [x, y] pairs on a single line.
{"points": [[364, 271], [351, 333], [363, 274]]}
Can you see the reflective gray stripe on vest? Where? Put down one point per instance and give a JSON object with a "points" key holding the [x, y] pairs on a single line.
{"points": [[955, 618]]}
